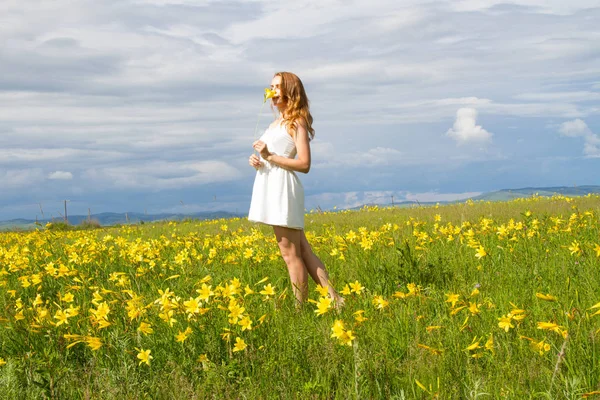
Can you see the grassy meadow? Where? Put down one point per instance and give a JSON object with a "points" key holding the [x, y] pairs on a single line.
{"points": [[477, 300]]}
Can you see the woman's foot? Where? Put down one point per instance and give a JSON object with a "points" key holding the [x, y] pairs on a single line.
{"points": [[338, 303]]}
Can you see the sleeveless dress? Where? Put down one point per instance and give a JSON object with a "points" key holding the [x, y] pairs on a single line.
{"points": [[278, 194]]}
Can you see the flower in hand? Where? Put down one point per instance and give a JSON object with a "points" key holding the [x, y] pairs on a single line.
{"points": [[269, 94], [262, 148]]}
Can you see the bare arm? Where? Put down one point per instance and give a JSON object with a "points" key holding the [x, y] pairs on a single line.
{"points": [[302, 162]]}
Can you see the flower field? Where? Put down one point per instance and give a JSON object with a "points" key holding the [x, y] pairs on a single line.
{"points": [[462, 301]]}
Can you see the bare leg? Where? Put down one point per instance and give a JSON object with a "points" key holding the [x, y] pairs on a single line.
{"points": [[289, 241], [317, 270]]}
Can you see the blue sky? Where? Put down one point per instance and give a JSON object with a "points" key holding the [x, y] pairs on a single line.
{"points": [[136, 105]]}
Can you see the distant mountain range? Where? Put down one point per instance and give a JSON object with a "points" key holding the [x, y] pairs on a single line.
{"points": [[120, 218], [133, 217], [509, 194]]}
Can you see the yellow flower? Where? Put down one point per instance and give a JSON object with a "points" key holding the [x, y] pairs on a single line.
{"points": [[2, 362], [457, 310], [62, 317], [146, 328], [72, 311], [474, 308], [597, 250], [248, 253], [144, 356], [517, 314], [38, 301], [474, 345], [263, 280], [205, 292], [101, 312], [433, 328], [489, 345], [269, 94], [550, 326], [452, 299], [541, 347], [192, 306], [239, 344], [346, 291], [323, 291], [68, 298], [202, 358], [505, 322], [356, 287], [575, 248], [235, 311], [323, 305], [379, 302], [346, 338], [432, 350], [597, 305], [245, 323], [413, 290], [248, 291], [480, 252], [337, 329], [546, 297], [93, 342], [358, 316], [182, 336], [268, 290]]}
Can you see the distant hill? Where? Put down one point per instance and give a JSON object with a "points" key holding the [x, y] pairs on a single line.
{"points": [[504, 195], [120, 218], [509, 194]]}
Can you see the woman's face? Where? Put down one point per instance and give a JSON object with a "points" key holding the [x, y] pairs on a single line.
{"points": [[276, 86]]}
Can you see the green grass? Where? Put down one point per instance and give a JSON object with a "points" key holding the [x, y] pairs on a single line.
{"points": [[292, 354]]}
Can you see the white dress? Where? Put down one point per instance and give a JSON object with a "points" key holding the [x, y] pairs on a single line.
{"points": [[278, 194]]}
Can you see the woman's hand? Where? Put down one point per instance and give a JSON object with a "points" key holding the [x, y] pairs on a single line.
{"points": [[261, 147], [255, 162]]}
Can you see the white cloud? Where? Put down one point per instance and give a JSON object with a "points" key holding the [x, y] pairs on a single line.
{"points": [[326, 155], [162, 175], [17, 178], [574, 128], [61, 176], [578, 128], [466, 130], [560, 96]]}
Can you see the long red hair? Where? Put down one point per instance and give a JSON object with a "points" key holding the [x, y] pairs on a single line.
{"points": [[297, 105]]}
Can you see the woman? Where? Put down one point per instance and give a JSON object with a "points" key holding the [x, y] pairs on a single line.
{"points": [[278, 195]]}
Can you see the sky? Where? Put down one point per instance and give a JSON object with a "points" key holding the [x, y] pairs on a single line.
{"points": [[152, 105]]}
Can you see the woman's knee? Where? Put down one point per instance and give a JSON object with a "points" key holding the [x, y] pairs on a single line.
{"points": [[288, 252]]}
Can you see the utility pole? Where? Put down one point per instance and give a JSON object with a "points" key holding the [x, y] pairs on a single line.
{"points": [[66, 217], [89, 215], [392, 200]]}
